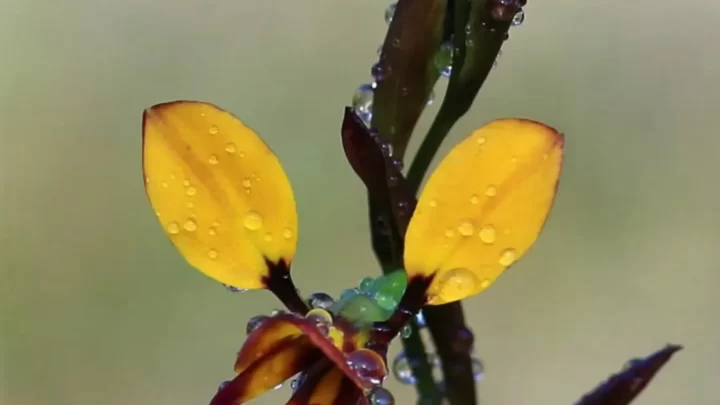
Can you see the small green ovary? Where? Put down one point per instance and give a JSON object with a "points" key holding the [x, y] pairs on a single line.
{"points": [[374, 301]]}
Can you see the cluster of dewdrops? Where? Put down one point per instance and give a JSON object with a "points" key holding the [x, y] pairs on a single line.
{"points": [[362, 100]]}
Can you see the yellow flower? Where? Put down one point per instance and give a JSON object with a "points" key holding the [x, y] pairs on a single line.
{"points": [[226, 204]]}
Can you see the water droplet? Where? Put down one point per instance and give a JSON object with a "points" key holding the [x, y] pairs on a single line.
{"points": [[381, 396], [213, 130], [190, 205], [321, 318], [212, 231], [456, 284], [431, 98], [165, 184], [507, 257], [449, 233], [401, 369], [186, 182], [481, 140], [398, 163], [277, 387], [390, 12], [433, 203], [485, 283], [173, 228], [234, 289], [320, 300], [230, 148], [443, 59], [190, 225], [366, 284], [268, 237], [478, 369], [466, 228], [362, 102], [378, 72], [387, 149], [367, 365], [213, 160], [406, 331], [420, 319], [518, 18], [491, 191], [255, 322], [247, 182], [147, 179], [212, 254], [253, 221], [295, 382], [287, 233], [190, 191], [224, 384], [474, 199], [487, 234]]}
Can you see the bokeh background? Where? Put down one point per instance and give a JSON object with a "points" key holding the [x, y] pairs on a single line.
{"points": [[98, 307]]}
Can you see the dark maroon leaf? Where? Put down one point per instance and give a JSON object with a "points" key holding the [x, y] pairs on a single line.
{"points": [[622, 388]]}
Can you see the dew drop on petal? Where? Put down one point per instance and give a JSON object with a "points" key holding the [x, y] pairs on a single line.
{"points": [[381, 396], [234, 289], [190, 191], [268, 237], [457, 283], [491, 191], [247, 182], [277, 387], [212, 231], [255, 322], [224, 384], [320, 300], [433, 203], [319, 315], [449, 233], [507, 257], [252, 221], [466, 228], [190, 225], [287, 233], [401, 369], [485, 283], [173, 228], [213, 130], [488, 234], [362, 102], [213, 160], [230, 148], [212, 254], [474, 199], [367, 365], [165, 184], [481, 140]]}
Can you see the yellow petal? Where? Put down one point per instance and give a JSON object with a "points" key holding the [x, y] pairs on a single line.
{"points": [[483, 207], [218, 191]]}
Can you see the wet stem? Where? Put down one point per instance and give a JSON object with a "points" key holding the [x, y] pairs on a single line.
{"points": [[471, 65]]}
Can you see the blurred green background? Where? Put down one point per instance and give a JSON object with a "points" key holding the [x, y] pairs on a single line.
{"points": [[98, 307]]}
